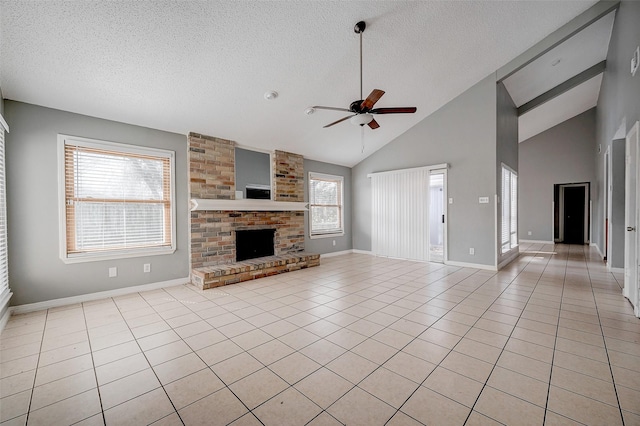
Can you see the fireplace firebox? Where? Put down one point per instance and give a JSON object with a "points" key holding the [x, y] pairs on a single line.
{"points": [[254, 243]]}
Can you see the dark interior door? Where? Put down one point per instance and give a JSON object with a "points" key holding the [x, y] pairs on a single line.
{"points": [[574, 214]]}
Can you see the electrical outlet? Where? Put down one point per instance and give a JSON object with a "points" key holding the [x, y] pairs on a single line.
{"points": [[147, 267], [529, 233], [334, 243], [483, 200], [451, 200], [113, 272], [472, 250]]}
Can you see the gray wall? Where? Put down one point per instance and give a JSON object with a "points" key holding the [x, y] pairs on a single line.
{"points": [[619, 101], [252, 167], [35, 269], [562, 154], [462, 134], [325, 245], [506, 150]]}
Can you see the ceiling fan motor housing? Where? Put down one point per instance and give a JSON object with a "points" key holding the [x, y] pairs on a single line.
{"points": [[356, 106]]}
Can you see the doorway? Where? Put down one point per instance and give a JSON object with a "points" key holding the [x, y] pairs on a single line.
{"points": [[631, 241], [437, 215], [607, 204], [571, 216]]}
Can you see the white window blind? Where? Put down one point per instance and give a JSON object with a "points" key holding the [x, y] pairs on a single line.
{"points": [[4, 267], [400, 214], [509, 215], [117, 198], [326, 216]]}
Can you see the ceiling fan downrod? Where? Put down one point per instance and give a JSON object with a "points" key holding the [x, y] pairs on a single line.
{"points": [[359, 29]]}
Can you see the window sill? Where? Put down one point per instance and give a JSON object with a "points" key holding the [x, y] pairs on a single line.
{"points": [[82, 258], [318, 236]]}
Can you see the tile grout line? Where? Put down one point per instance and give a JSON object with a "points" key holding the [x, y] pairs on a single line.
{"points": [[555, 340], [44, 329], [341, 328], [461, 337], [147, 359], [509, 337], [604, 340], [227, 386], [95, 374]]}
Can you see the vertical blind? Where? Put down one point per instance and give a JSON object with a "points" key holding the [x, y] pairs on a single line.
{"points": [[4, 274], [116, 200], [400, 215], [325, 204], [509, 217]]}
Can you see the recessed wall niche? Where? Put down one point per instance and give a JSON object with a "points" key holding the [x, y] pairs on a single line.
{"points": [[253, 171]]}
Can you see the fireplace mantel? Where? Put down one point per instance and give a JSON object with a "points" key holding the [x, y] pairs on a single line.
{"points": [[198, 204]]}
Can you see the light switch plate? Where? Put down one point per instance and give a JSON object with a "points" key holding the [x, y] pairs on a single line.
{"points": [[113, 272]]}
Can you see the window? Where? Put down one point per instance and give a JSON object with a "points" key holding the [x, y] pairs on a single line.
{"points": [[326, 216], [4, 274], [509, 209], [116, 200]]}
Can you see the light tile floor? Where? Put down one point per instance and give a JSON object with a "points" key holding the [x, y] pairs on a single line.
{"points": [[358, 340]]}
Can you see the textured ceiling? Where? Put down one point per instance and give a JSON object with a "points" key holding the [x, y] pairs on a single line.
{"points": [[204, 66]]}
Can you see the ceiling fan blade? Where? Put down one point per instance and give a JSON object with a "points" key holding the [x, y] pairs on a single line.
{"points": [[339, 121], [396, 110], [331, 108], [373, 97], [373, 124]]}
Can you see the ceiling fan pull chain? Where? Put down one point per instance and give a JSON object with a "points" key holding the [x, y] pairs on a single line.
{"points": [[362, 137]]}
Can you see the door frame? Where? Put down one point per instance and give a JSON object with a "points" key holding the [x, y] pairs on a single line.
{"points": [[587, 215], [445, 203], [607, 206], [631, 216]]}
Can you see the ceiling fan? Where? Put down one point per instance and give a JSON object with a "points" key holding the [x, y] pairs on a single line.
{"points": [[362, 110]]}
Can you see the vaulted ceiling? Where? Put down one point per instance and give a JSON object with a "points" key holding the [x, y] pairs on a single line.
{"points": [[205, 66]]}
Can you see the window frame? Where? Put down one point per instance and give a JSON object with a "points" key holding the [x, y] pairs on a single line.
{"points": [[330, 233], [5, 290], [121, 148], [512, 220]]}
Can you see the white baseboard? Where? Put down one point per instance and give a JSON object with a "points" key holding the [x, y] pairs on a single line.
{"points": [[616, 270], [471, 265], [30, 307], [598, 249], [536, 241], [362, 251], [5, 319], [336, 253], [510, 258]]}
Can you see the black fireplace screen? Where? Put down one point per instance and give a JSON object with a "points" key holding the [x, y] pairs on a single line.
{"points": [[254, 243]]}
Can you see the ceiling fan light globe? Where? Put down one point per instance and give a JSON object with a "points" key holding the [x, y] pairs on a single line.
{"points": [[361, 119]]}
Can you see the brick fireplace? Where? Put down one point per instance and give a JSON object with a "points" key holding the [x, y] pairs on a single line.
{"points": [[213, 232]]}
